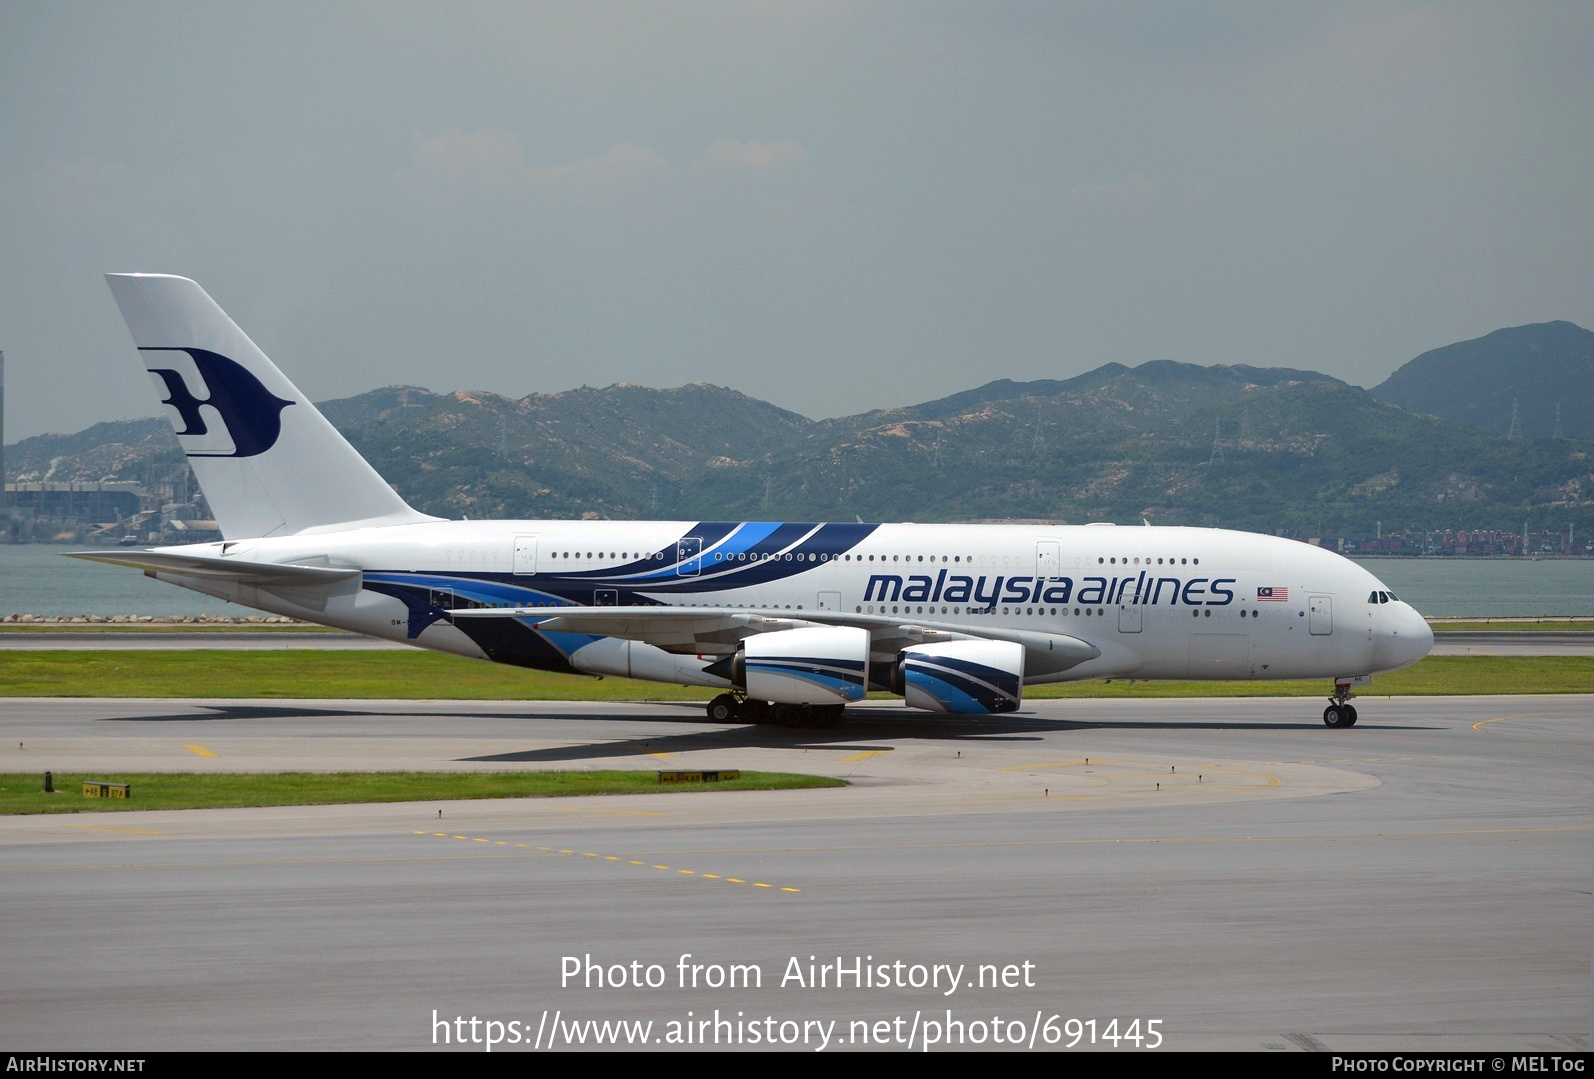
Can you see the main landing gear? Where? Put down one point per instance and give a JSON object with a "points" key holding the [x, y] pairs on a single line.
{"points": [[734, 708], [1340, 712]]}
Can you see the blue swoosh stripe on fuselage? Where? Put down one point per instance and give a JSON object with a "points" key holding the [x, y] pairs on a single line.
{"points": [[748, 536], [709, 532]]}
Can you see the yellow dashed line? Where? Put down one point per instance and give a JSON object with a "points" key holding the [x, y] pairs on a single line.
{"points": [[594, 854], [199, 751], [864, 756]]}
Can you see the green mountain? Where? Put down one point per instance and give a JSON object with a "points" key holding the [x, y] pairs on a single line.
{"points": [[1543, 369], [1175, 444], [1267, 449]]}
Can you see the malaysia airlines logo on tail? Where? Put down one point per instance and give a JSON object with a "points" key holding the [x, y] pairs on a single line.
{"points": [[250, 415]]}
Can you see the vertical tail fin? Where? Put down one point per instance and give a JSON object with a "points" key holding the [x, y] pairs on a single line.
{"points": [[269, 463]]}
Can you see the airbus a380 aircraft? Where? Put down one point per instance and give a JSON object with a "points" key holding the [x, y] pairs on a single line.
{"points": [[793, 621]]}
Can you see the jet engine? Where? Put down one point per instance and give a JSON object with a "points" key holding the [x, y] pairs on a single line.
{"points": [[969, 677], [824, 665]]}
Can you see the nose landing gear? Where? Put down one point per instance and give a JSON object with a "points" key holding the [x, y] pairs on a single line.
{"points": [[1340, 712]]}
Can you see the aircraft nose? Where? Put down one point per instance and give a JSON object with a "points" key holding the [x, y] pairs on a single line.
{"points": [[1402, 640]]}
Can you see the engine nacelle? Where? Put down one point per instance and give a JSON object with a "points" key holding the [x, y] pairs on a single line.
{"points": [[970, 677], [823, 665]]}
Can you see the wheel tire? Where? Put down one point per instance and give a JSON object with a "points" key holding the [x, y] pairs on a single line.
{"points": [[788, 715], [1350, 715], [724, 709], [1334, 716], [828, 716]]}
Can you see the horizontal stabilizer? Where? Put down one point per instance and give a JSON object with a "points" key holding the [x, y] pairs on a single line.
{"points": [[263, 574]]}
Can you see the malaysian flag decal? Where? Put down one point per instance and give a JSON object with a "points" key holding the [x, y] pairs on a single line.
{"points": [[1273, 594]]}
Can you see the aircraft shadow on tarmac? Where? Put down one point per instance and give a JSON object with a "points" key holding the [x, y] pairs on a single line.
{"points": [[862, 726], [210, 713]]}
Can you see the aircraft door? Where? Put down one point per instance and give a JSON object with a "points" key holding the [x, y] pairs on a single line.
{"points": [[1047, 558], [1322, 615], [525, 554], [830, 601], [605, 597], [687, 548], [1129, 613]]}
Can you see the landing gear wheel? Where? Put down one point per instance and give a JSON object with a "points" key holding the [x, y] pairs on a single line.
{"points": [[789, 715], [724, 709], [827, 716], [1340, 712]]}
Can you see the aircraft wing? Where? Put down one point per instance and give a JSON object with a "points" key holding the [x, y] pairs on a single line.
{"points": [[716, 630]]}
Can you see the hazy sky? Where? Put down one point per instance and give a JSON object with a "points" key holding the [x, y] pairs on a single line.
{"points": [[831, 206]]}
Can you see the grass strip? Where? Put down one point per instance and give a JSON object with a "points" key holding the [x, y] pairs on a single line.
{"points": [[1504, 624], [22, 793], [1436, 676], [1515, 625], [131, 628], [415, 675]]}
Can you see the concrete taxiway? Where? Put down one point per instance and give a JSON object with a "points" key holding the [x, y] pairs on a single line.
{"points": [[1231, 869]]}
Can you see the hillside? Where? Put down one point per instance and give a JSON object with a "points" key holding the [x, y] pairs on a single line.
{"points": [[1267, 449], [1304, 455], [1540, 367]]}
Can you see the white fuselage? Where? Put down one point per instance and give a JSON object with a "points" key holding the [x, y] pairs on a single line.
{"points": [[1158, 603]]}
